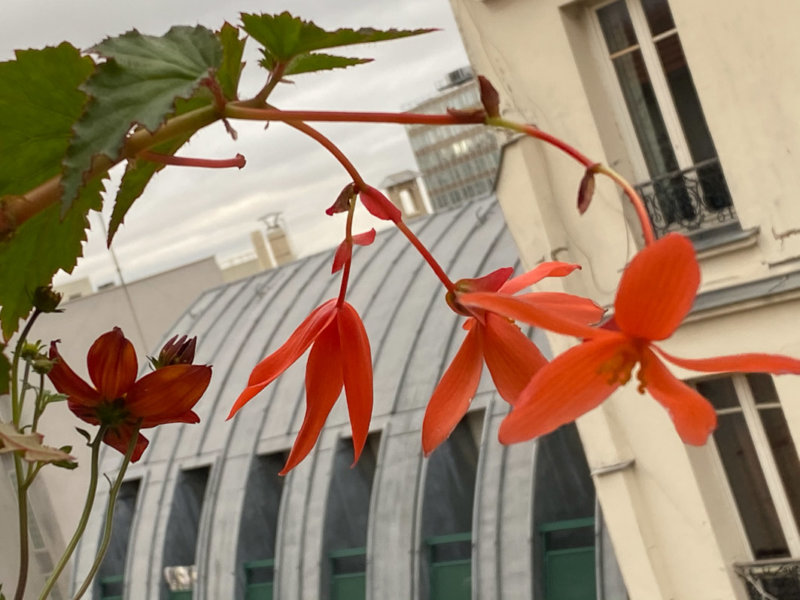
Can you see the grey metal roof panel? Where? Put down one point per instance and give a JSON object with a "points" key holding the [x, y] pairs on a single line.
{"points": [[412, 333]]}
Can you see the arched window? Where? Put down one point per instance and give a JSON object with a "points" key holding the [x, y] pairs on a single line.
{"points": [[110, 582], [447, 514], [346, 520], [258, 528], [180, 546]]}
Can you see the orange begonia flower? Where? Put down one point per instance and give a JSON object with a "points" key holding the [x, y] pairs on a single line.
{"points": [[511, 357], [656, 292], [339, 357], [118, 401]]}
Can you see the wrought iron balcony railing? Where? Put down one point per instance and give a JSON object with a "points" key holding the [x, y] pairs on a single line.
{"points": [[776, 579], [689, 200]]}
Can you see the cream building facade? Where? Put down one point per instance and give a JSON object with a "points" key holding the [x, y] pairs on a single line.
{"points": [[696, 103]]}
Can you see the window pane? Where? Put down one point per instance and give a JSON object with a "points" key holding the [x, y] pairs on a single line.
{"points": [[749, 487], [617, 27], [684, 95], [658, 15], [645, 114], [763, 388], [780, 440], [720, 392]]}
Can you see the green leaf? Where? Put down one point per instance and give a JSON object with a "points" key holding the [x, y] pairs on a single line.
{"points": [[39, 103], [40, 247], [285, 37], [5, 371], [317, 61], [138, 84], [231, 67]]}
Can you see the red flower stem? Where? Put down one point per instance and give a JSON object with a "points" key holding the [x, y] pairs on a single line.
{"points": [[184, 161], [427, 256], [635, 199], [633, 196], [236, 110], [348, 239], [359, 181]]}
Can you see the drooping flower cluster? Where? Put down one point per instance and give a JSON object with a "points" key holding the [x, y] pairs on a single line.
{"points": [[122, 404]]}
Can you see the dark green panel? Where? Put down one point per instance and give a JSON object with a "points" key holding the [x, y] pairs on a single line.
{"points": [[569, 574], [258, 591], [349, 586], [451, 580]]}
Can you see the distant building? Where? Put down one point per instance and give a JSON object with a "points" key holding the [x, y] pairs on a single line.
{"points": [[458, 163], [403, 189]]}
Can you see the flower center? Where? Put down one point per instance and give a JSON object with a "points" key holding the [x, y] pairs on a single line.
{"points": [[112, 413], [619, 368]]}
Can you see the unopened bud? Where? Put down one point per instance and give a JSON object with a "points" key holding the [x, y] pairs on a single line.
{"points": [[177, 351], [46, 300], [42, 365]]}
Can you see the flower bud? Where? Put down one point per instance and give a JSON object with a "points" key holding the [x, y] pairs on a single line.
{"points": [[177, 351], [46, 300]]}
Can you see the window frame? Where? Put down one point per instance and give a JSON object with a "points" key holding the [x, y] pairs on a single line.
{"points": [[647, 45], [777, 491]]}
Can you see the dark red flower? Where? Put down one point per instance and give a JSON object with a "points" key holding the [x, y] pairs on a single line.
{"points": [[118, 401]]}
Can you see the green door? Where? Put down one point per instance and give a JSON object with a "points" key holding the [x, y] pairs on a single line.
{"points": [[450, 566]]}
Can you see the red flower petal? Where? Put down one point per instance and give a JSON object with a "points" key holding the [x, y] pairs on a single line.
{"points": [[357, 371], [119, 438], [693, 415], [379, 205], [364, 239], [658, 288], [323, 386], [511, 357], [342, 255], [247, 394], [451, 398], [547, 269], [571, 385], [527, 311], [66, 381], [488, 283], [738, 363], [112, 364], [276, 363], [168, 394], [572, 307]]}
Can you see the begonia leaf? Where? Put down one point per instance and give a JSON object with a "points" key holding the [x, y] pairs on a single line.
{"points": [[40, 100], [137, 84], [285, 37], [317, 61], [230, 68]]}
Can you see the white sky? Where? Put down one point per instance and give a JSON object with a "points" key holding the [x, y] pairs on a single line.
{"points": [[188, 214]]}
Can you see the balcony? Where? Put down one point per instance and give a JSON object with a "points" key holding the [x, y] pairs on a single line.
{"points": [[776, 579], [689, 201]]}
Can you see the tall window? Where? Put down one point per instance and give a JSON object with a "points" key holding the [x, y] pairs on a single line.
{"points": [[763, 471], [180, 574], [110, 578], [680, 177], [447, 514]]}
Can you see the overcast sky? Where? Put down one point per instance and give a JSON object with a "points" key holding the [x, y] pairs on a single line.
{"points": [[189, 214]]}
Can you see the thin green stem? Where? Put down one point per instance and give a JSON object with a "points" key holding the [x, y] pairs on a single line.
{"points": [[22, 516], [40, 405], [87, 509], [112, 501], [275, 77], [16, 402]]}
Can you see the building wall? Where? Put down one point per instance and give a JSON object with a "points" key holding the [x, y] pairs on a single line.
{"points": [[670, 513], [458, 163]]}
